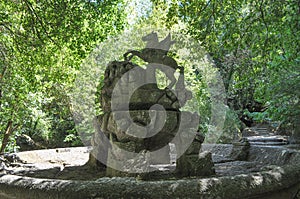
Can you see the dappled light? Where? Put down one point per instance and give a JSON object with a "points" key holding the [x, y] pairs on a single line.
{"points": [[149, 99]]}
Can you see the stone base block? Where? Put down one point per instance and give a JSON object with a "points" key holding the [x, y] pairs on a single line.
{"points": [[195, 165]]}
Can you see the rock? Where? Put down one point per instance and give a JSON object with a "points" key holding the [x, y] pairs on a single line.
{"points": [[161, 158], [139, 164], [194, 148], [26, 143], [2, 169], [240, 150], [131, 146], [268, 140], [195, 165], [249, 132], [199, 137], [12, 158], [140, 101]]}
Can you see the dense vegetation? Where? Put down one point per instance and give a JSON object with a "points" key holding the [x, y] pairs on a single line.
{"points": [[255, 46], [42, 45]]}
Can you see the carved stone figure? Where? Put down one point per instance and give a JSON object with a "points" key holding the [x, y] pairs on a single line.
{"points": [[140, 118], [156, 52]]}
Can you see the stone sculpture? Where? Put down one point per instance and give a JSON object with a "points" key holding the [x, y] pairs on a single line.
{"points": [[141, 118], [156, 52]]}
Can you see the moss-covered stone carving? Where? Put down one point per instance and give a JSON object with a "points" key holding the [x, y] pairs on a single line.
{"points": [[139, 117]]}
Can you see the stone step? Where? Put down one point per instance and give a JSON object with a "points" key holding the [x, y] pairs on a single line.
{"points": [[221, 159], [268, 143], [274, 138], [268, 140], [255, 131], [262, 130]]}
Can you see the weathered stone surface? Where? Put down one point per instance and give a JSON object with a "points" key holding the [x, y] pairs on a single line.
{"points": [[138, 125], [194, 148], [2, 167], [139, 128], [268, 140], [138, 116], [162, 158], [249, 132], [141, 101], [131, 146], [240, 150], [113, 73], [271, 182], [138, 164], [26, 143], [275, 155], [264, 185], [195, 165]]}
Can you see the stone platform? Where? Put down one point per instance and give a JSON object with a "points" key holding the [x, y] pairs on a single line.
{"points": [[269, 172]]}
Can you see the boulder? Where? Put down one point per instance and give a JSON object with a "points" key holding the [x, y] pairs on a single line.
{"points": [[26, 143]]}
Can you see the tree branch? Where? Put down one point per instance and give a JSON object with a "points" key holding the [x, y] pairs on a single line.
{"points": [[31, 9]]}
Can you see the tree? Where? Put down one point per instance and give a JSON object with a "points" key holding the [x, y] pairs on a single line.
{"points": [[42, 45], [256, 47]]}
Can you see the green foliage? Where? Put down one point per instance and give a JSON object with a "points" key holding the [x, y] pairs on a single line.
{"points": [[256, 48], [258, 117], [200, 75], [42, 44], [255, 45], [73, 140]]}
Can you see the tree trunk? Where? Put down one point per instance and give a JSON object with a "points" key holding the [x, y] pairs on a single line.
{"points": [[8, 131]]}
